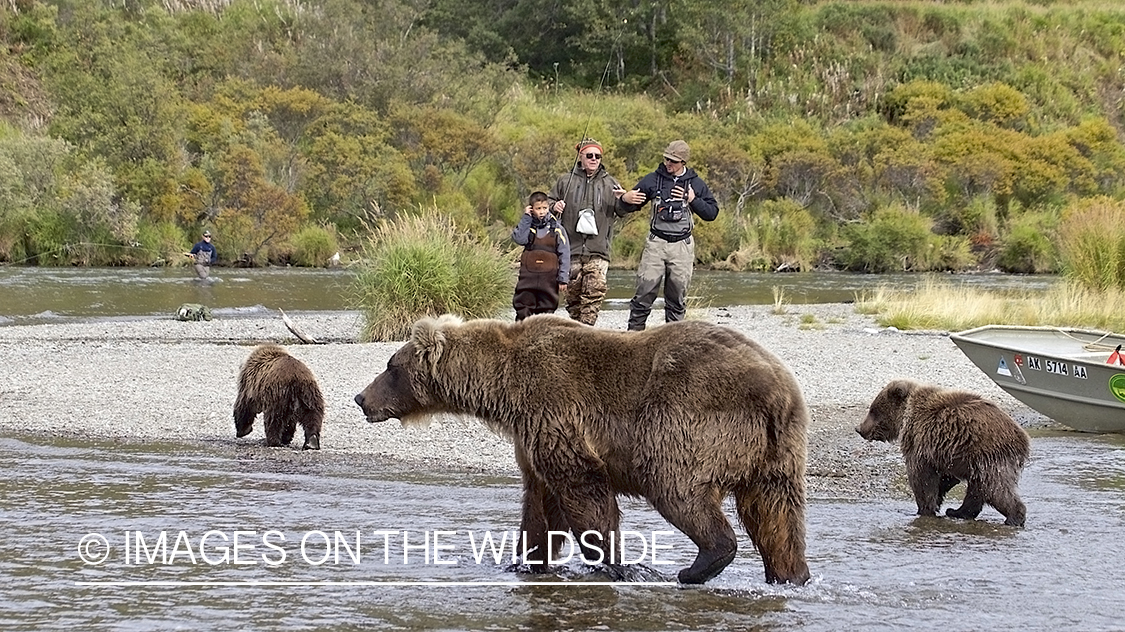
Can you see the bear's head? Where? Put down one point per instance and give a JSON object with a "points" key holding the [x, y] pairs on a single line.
{"points": [[884, 418], [404, 391]]}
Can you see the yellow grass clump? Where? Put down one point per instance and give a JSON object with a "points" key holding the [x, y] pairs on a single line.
{"points": [[956, 307]]}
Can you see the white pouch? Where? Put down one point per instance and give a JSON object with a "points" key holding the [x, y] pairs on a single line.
{"points": [[587, 225]]}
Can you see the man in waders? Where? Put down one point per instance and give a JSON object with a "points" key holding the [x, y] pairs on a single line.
{"points": [[205, 256]]}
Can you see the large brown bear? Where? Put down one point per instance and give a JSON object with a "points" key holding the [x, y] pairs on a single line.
{"points": [[950, 436], [281, 386], [682, 415]]}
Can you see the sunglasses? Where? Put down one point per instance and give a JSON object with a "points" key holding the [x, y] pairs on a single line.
{"points": [[594, 156], [673, 162]]}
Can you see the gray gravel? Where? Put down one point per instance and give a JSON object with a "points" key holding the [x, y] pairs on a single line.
{"points": [[160, 379]]}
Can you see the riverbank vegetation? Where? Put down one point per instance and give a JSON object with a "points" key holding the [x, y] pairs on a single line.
{"points": [[956, 307], [870, 136]]}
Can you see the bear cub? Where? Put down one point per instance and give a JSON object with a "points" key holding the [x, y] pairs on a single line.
{"points": [[281, 386], [948, 436]]}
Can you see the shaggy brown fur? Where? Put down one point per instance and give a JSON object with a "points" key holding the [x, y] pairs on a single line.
{"points": [[682, 415], [281, 386], [951, 436]]}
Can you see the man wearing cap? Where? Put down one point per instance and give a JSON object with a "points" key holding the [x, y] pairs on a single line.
{"points": [[586, 201], [677, 195], [205, 256]]}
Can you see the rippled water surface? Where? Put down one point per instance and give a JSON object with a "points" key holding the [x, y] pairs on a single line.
{"points": [[30, 294], [875, 566]]}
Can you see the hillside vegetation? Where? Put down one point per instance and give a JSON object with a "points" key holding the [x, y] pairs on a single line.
{"points": [[850, 134]]}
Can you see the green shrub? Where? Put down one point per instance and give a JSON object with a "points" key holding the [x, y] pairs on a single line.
{"points": [[894, 239], [13, 246], [48, 234], [948, 253], [313, 246], [162, 243], [424, 265], [786, 233], [977, 219], [715, 240], [1092, 243], [1027, 249]]}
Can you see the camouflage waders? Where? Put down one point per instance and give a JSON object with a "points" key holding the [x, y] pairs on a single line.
{"points": [[587, 288]]}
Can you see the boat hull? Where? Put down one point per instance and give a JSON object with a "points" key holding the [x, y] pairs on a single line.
{"points": [[1061, 373]]}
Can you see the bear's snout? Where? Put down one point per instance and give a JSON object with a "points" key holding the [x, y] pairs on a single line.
{"points": [[373, 416], [866, 429]]}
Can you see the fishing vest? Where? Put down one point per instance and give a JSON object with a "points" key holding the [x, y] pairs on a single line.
{"points": [[671, 217]]}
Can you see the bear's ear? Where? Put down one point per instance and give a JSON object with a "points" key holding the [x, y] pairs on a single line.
{"points": [[428, 337], [901, 389]]}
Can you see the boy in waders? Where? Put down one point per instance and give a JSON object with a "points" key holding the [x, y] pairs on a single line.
{"points": [[545, 262]]}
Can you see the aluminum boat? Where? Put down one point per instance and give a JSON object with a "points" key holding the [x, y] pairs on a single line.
{"points": [[1074, 376]]}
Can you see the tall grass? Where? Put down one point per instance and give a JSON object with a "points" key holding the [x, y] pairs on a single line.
{"points": [[417, 266], [945, 306], [1092, 243]]}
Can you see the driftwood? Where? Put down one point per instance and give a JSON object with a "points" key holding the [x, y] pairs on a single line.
{"points": [[291, 326]]}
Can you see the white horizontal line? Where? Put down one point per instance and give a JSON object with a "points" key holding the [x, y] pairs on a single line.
{"points": [[130, 584]]}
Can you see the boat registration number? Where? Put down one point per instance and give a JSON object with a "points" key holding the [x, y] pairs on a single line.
{"points": [[1054, 366], [1062, 368]]}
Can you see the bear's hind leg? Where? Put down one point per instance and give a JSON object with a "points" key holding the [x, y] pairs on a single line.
{"points": [[973, 503], [1005, 498], [774, 516], [702, 520], [311, 421]]}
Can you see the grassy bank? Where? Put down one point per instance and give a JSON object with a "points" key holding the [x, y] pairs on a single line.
{"points": [[954, 307]]}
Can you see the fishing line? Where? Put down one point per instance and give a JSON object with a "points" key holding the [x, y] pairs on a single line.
{"points": [[66, 248], [601, 83]]}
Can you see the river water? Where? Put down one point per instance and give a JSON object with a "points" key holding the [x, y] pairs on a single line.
{"points": [[29, 294], [334, 541], [875, 565]]}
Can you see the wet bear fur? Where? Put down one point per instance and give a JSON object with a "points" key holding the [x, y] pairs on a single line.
{"points": [[682, 415], [948, 436], [284, 389]]}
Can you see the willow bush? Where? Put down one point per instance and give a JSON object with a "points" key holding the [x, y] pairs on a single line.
{"points": [[893, 239], [1028, 249], [416, 266]]}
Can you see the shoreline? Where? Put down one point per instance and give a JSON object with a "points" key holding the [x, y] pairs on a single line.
{"points": [[161, 380]]}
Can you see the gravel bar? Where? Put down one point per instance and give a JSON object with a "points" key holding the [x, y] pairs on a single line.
{"points": [[163, 380]]}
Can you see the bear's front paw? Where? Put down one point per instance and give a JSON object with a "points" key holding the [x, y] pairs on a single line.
{"points": [[533, 568], [956, 513]]}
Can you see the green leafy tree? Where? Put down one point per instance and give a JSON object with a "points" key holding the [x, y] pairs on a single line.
{"points": [[451, 142], [252, 212], [114, 102]]}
